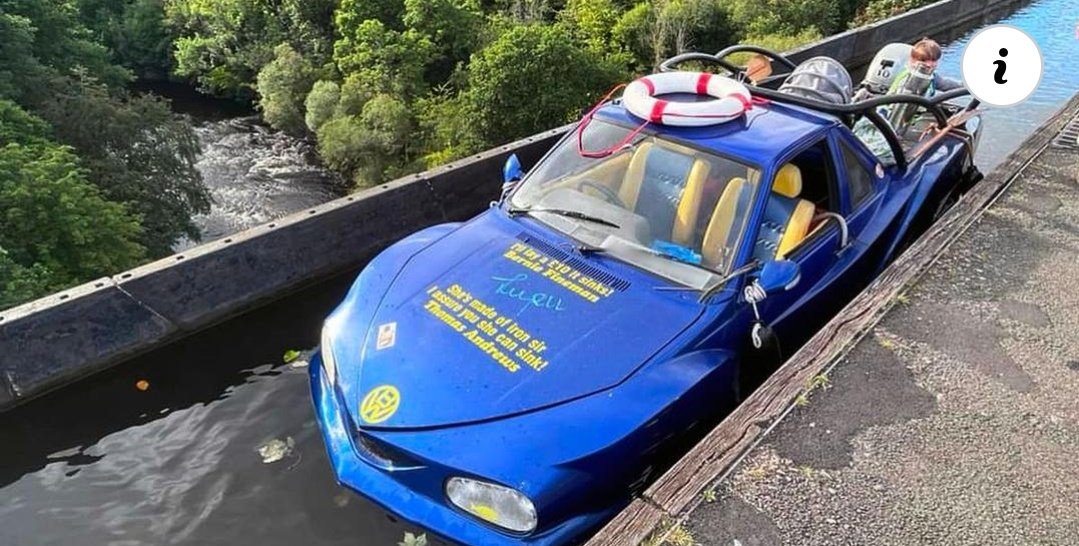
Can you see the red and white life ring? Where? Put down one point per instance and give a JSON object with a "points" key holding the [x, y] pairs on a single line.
{"points": [[732, 98]]}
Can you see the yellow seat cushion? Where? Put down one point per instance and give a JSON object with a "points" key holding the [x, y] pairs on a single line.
{"points": [[717, 236], [788, 181], [689, 208], [631, 185], [797, 228]]}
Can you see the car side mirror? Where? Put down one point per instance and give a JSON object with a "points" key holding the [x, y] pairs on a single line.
{"points": [[779, 275], [511, 174]]}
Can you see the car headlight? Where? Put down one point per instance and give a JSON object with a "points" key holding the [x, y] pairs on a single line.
{"points": [[329, 361], [493, 503]]}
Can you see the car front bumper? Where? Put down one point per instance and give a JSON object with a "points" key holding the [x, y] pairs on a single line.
{"points": [[382, 488]]}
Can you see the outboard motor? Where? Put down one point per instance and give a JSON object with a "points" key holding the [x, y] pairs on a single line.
{"points": [[885, 66], [820, 78]]}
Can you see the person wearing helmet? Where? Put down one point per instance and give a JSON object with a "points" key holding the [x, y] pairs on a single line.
{"points": [[920, 77]]}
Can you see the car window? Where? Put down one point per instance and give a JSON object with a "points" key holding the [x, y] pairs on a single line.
{"points": [[874, 140], [859, 180], [801, 189], [662, 196]]}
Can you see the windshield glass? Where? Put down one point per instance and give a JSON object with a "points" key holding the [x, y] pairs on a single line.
{"points": [[658, 204]]}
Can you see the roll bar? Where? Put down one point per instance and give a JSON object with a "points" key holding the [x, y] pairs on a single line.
{"points": [[848, 112]]}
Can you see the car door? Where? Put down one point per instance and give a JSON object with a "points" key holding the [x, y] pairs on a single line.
{"points": [[844, 192]]}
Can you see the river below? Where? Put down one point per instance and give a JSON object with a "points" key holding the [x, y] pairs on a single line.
{"points": [[254, 173]]}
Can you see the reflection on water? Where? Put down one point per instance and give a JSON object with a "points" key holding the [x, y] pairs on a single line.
{"points": [[180, 463], [1052, 25], [256, 174]]}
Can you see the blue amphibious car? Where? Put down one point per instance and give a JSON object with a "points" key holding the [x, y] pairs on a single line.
{"points": [[514, 379]]}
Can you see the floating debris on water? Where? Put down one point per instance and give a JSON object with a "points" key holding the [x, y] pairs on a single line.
{"points": [[340, 500], [413, 540], [297, 359], [276, 449]]}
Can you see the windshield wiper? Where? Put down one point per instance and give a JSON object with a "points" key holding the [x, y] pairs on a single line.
{"points": [[575, 214]]}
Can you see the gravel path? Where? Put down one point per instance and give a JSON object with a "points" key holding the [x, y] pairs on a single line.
{"points": [[956, 421]]}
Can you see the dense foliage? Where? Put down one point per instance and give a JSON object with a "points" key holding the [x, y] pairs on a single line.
{"points": [[55, 227], [94, 178], [387, 87]]}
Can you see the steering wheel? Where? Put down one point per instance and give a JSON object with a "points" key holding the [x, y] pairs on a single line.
{"points": [[607, 192]]}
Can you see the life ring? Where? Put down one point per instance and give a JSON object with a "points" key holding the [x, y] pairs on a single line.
{"points": [[732, 98]]}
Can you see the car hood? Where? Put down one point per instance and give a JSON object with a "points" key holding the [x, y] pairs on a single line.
{"points": [[493, 320]]}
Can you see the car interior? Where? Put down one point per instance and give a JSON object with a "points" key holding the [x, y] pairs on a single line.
{"points": [[700, 202]]}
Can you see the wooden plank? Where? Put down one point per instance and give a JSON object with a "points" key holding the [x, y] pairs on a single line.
{"points": [[679, 488], [630, 526]]}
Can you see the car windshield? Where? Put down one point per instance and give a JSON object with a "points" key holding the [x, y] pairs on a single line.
{"points": [[666, 207]]}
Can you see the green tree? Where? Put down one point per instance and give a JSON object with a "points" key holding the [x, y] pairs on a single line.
{"points": [[62, 42], [309, 25], [454, 28], [592, 22], [654, 31], [788, 17], [136, 151], [447, 128], [19, 69], [875, 10], [17, 126], [43, 38], [19, 284], [321, 103], [222, 44], [55, 227], [387, 60], [372, 147], [352, 13], [135, 32], [283, 85], [54, 217], [530, 79]]}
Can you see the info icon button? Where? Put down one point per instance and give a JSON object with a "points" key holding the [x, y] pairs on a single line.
{"points": [[1002, 65]]}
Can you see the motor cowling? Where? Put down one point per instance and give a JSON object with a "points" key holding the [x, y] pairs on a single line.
{"points": [[884, 68]]}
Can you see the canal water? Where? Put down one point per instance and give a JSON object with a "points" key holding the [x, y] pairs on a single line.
{"points": [[1054, 25], [212, 440]]}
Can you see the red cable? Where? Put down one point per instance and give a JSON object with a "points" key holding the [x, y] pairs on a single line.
{"points": [[657, 117]]}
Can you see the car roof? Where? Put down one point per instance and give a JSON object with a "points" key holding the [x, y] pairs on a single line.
{"points": [[761, 136]]}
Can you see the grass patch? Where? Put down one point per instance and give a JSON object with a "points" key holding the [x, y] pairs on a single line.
{"points": [[669, 533]]}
